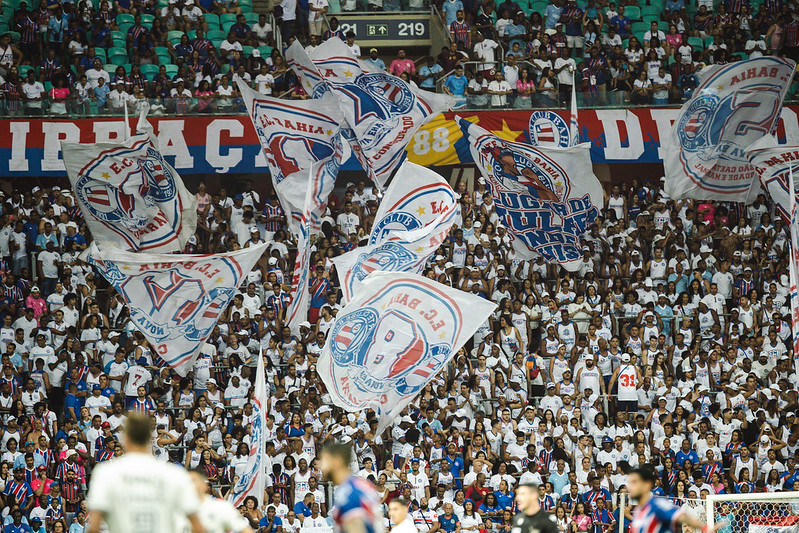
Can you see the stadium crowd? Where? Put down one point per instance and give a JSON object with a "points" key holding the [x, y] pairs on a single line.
{"points": [[671, 345], [180, 55]]}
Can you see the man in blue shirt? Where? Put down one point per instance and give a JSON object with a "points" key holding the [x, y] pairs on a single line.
{"points": [[456, 85], [448, 521], [686, 453], [552, 14], [16, 525], [450, 9], [303, 507], [455, 463], [429, 73], [375, 60], [621, 23]]}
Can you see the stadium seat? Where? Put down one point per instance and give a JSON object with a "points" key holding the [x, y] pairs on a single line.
{"points": [[115, 34], [226, 26], [247, 50], [119, 43], [217, 34], [663, 26], [110, 68], [171, 70], [650, 10], [118, 56], [172, 34], [633, 12], [175, 41], [164, 59], [246, 8], [212, 19], [23, 70], [266, 51], [697, 43], [639, 27], [217, 43], [124, 18], [149, 70], [227, 17], [224, 70], [147, 19], [251, 18], [708, 41], [15, 36], [192, 34], [100, 53], [650, 18], [125, 27], [161, 51]]}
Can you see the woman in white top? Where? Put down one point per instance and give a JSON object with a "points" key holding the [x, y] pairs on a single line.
{"points": [[470, 520]]}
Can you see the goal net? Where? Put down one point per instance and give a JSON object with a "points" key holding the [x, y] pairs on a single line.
{"points": [[772, 512]]}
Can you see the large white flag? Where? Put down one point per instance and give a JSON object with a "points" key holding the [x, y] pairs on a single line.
{"points": [[382, 110], [253, 480], [794, 267], [545, 197], [773, 163], [734, 106], [413, 220], [295, 134], [175, 300], [392, 338], [130, 196]]}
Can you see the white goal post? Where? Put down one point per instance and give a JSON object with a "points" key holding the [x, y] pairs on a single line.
{"points": [[767, 512]]}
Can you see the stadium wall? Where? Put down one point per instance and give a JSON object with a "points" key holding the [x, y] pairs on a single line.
{"points": [[30, 147]]}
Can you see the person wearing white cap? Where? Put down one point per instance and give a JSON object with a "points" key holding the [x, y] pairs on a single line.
{"points": [[628, 379]]}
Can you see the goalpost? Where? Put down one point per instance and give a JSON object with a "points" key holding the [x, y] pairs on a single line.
{"points": [[769, 512]]}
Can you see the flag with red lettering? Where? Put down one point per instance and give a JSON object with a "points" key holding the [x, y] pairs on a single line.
{"points": [[175, 300], [773, 163], [382, 110], [413, 220], [735, 105], [294, 134], [130, 196], [393, 338]]}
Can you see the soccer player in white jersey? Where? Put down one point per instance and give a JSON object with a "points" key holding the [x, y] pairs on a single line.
{"points": [[217, 516], [137, 493]]}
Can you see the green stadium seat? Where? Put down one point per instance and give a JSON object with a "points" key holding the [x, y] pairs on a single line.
{"points": [[697, 43], [650, 10], [47, 86], [212, 19], [650, 18], [334, 6], [15, 36], [164, 59], [663, 26], [245, 9], [119, 43], [171, 70], [100, 52], [227, 17], [247, 50], [147, 19], [708, 41], [23, 70], [217, 34], [633, 12], [149, 70], [243, 3], [124, 18], [161, 51], [172, 34], [225, 68], [217, 43], [640, 36], [251, 18], [266, 51], [741, 55], [192, 34], [125, 27], [110, 68], [226, 26], [175, 41], [116, 34], [128, 67], [639, 27]]}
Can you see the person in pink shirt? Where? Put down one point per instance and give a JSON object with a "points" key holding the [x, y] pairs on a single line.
{"points": [[36, 302], [402, 64]]}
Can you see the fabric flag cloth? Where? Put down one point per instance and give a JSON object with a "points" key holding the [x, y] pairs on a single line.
{"points": [[413, 220], [734, 106], [321, 180], [130, 196], [382, 110], [574, 124], [253, 481], [545, 197], [773, 163], [794, 266], [392, 338], [175, 300], [294, 134]]}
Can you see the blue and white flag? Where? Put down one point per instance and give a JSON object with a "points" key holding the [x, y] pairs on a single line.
{"points": [[130, 196], [175, 300], [773, 163], [413, 220], [382, 110], [392, 338], [734, 106], [252, 481], [574, 123], [295, 134], [545, 197], [322, 178]]}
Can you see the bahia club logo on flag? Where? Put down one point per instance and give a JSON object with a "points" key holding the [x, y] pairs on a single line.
{"points": [[773, 163], [294, 135], [734, 106], [253, 480], [413, 220], [393, 338], [130, 196], [382, 110], [545, 197], [175, 300]]}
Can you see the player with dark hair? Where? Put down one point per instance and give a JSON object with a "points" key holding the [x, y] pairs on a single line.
{"points": [[657, 515], [531, 517], [137, 493], [357, 505], [401, 521], [217, 516]]}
